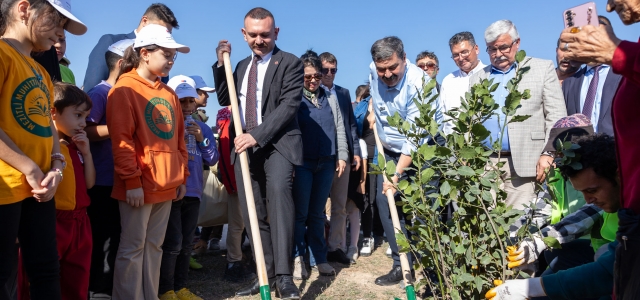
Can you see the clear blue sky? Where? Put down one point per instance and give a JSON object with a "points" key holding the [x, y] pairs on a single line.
{"points": [[344, 28]]}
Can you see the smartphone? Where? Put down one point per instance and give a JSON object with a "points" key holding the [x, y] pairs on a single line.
{"points": [[581, 15]]}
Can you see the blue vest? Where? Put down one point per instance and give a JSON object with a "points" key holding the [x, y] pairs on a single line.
{"points": [[318, 128]]}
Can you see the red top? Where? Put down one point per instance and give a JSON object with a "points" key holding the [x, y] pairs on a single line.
{"points": [[626, 122], [225, 169], [72, 192]]}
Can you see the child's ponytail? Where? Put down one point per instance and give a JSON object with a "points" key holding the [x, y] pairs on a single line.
{"points": [[131, 58]]}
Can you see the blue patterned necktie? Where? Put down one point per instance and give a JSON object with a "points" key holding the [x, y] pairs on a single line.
{"points": [[587, 109]]}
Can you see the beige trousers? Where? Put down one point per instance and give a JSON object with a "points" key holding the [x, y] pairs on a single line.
{"points": [[520, 190], [137, 268]]}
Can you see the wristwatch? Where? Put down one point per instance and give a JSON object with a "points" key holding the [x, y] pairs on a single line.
{"points": [[398, 175], [205, 142]]}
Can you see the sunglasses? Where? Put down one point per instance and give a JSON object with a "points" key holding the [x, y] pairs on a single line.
{"points": [[316, 76], [326, 71], [429, 65]]}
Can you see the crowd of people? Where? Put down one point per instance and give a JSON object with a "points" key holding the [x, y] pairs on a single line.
{"points": [[127, 160]]}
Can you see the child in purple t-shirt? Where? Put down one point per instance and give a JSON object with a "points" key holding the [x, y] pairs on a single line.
{"points": [[103, 211]]}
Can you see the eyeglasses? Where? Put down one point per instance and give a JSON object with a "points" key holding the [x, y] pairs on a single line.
{"points": [[167, 54], [462, 54], [316, 76], [326, 71], [502, 49], [429, 65]]}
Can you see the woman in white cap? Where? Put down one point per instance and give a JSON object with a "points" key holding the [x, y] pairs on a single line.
{"points": [[150, 159], [30, 160]]}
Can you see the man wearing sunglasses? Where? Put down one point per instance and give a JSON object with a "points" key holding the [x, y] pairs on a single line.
{"points": [[341, 183], [428, 62], [464, 52], [523, 142]]}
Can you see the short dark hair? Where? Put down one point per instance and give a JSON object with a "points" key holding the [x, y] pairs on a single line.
{"points": [[428, 54], [604, 20], [384, 48], [112, 59], [311, 59], [328, 57], [65, 95], [597, 152], [260, 13], [163, 13], [461, 37]]}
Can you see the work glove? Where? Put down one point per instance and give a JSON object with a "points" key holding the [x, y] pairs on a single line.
{"points": [[525, 254], [518, 289]]}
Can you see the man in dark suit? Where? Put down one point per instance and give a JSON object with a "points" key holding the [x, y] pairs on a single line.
{"points": [[576, 92], [269, 85], [590, 92], [97, 69], [340, 185]]}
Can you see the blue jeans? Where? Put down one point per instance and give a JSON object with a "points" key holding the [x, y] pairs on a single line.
{"points": [[311, 186]]}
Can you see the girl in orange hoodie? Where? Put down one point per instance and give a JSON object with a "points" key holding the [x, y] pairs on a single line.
{"points": [[151, 162]]}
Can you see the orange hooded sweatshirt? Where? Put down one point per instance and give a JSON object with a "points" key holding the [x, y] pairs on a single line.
{"points": [[147, 133]]}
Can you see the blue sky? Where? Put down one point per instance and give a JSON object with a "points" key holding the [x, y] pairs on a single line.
{"points": [[345, 28]]}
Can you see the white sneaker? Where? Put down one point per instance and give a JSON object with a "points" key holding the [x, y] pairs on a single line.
{"points": [[389, 251], [299, 269], [367, 247], [352, 254]]}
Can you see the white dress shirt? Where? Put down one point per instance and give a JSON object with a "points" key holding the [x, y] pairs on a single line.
{"points": [[454, 86], [262, 70]]}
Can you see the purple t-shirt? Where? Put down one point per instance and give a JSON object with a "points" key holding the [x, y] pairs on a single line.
{"points": [[202, 155], [101, 150]]}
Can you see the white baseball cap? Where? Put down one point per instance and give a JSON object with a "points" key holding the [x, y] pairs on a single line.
{"points": [[154, 34], [184, 86], [74, 26], [120, 46], [201, 85]]}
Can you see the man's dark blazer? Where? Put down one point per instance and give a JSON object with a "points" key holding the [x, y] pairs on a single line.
{"points": [[97, 69], [349, 119], [281, 97], [571, 89]]}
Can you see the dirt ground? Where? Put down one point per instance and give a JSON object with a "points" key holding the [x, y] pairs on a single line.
{"points": [[354, 282]]}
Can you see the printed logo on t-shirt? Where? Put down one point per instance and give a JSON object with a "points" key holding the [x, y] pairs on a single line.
{"points": [[30, 107], [160, 118]]}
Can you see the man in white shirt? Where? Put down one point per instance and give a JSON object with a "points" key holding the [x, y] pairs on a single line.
{"points": [[464, 52]]}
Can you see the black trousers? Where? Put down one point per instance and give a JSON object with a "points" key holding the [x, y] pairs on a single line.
{"points": [[272, 182], [34, 224], [178, 244], [104, 214], [626, 269]]}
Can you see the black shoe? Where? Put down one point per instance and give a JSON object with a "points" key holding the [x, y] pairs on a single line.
{"points": [[253, 288], [238, 272], [285, 288], [393, 277], [378, 240], [338, 256]]}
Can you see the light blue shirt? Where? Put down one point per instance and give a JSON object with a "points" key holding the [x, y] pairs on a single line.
{"points": [[389, 100], [500, 95], [588, 76]]}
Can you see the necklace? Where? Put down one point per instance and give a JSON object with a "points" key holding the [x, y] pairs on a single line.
{"points": [[35, 73]]}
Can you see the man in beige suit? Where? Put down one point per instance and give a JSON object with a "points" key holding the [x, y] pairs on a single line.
{"points": [[523, 142]]}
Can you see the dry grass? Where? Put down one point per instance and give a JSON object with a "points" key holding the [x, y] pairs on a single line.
{"points": [[354, 282]]}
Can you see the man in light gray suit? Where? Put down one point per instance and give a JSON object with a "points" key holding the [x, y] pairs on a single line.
{"points": [[523, 142]]}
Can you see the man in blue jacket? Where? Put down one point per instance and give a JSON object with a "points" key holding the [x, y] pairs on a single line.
{"points": [[97, 69]]}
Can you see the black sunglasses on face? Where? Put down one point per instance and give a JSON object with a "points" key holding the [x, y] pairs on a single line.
{"points": [[326, 71], [316, 76], [429, 65]]}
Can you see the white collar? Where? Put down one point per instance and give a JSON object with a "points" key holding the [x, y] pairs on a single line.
{"points": [[265, 58]]}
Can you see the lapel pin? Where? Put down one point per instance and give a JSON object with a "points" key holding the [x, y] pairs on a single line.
{"points": [[275, 63]]}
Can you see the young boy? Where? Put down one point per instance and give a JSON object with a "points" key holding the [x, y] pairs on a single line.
{"points": [[183, 218], [73, 229], [104, 211]]}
